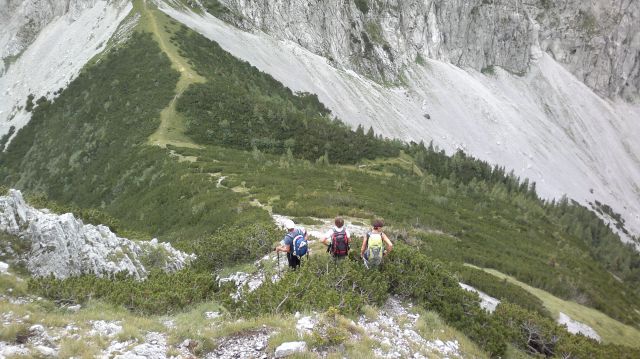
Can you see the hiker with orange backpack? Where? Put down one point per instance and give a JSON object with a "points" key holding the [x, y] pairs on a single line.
{"points": [[372, 250], [338, 240], [294, 244]]}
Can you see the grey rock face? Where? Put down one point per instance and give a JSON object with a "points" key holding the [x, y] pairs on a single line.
{"points": [[598, 41], [22, 20], [290, 348], [63, 246]]}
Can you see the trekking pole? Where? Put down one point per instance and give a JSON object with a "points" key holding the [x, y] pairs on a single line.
{"points": [[278, 269]]}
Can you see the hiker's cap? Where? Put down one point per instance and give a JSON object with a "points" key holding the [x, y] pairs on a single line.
{"points": [[288, 224]]}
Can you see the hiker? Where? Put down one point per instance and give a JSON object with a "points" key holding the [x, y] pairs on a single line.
{"points": [[337, 240], [294, 244], [372, 250]]}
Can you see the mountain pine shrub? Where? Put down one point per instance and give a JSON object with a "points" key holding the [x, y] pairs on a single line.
{"points": [[160, 293]]}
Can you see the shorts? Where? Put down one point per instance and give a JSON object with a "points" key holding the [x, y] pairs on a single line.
{"points": [[294, 261]]}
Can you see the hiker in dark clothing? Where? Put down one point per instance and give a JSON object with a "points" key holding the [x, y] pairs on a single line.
{"points": [[294, 244], [338, 240]]}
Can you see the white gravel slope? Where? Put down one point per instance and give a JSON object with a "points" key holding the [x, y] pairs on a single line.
{"points": [[487, 302], [576, 327], [546, 125], [55, 57]]}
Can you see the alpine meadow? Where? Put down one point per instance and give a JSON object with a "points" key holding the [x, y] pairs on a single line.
{"points": [[165, 134]]}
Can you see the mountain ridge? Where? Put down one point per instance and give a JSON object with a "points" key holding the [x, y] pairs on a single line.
{"points": [[523, 122], [413, 110], [89, 148]]}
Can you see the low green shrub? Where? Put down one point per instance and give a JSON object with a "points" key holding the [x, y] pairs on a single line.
{"points": [[329, 331], [414, 275], [319, 284], [215, 8], [540, 335], [307, 221], [347, 286], [17, 333], [362, 5], [232, 245], [160, 293]]}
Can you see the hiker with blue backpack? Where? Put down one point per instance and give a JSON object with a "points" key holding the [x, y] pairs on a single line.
{"points": [[373, 251], [338, 240], [294, 244]]}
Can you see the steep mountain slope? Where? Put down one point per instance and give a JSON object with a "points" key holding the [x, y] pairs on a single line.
{"points": [[598, 41], [545, 124], [232, 155], [44, 45]]}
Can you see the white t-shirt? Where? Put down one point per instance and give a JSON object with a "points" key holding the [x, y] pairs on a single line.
{"points": [[329, 233]]}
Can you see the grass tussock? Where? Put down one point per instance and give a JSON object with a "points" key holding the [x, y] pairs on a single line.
{"points": [[83, 349]]}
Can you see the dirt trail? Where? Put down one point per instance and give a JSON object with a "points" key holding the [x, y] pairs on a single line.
{"points": [[172, 126]]}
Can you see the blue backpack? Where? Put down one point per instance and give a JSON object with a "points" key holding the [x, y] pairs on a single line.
{"points": [[299, 244]]}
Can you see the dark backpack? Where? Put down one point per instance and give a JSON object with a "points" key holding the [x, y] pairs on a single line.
{"points": [[339, 243], [299, 245]]}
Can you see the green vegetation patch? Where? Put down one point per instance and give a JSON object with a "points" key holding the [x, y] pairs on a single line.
{"points": [[160, 293], [215, 8], [362, 5], [611, 331], [5, 138], [17, 333], [489, 70], [321, 284], [307, 221], [232, 245], [241, 107], [374, 30], [501, 289], [587, 22], [88, 150], [542, 336]]}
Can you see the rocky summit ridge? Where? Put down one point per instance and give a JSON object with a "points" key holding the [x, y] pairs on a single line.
{"points": [[63, 246]]}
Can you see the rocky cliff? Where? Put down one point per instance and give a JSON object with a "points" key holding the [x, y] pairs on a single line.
{"points": [[598, 41], [63, 246], [22, 21], [43, 46]]}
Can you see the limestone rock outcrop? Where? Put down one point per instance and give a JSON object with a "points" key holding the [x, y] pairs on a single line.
{"points": [[22, 21], [63, 246]]}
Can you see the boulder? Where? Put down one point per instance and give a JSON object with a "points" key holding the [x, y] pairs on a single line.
{"points": [[305, 325], [74, 308], [289, 348], [46, 351]]}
